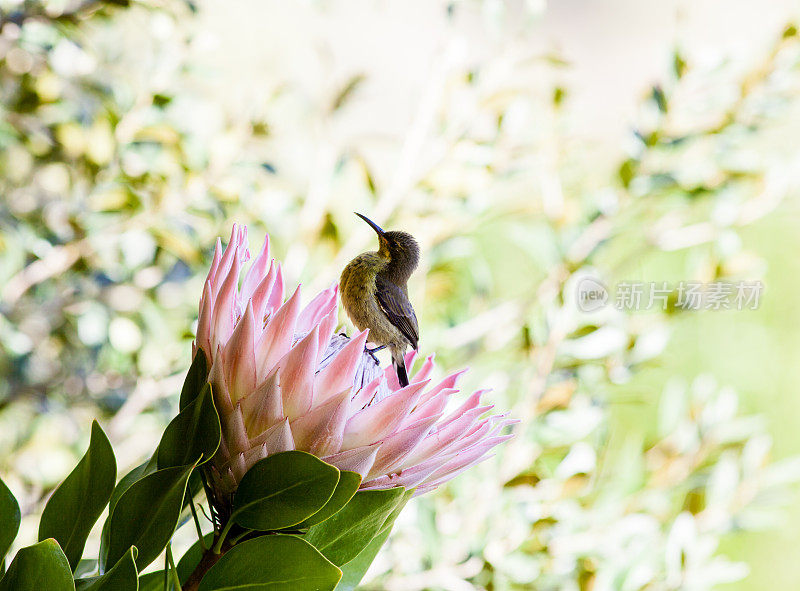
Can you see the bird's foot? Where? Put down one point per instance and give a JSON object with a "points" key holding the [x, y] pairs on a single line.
{"points": [[373, 351]]}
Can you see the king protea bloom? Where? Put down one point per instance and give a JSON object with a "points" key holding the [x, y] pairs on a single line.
{"points": [[283, 380]]}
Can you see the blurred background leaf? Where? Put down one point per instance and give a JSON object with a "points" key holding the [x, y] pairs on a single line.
{"points": [[527, 145]]}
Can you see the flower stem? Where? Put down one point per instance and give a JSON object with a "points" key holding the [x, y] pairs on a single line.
{"points": [[208, 560], [217, 547], [210, 498], [175, 579], [197, 523], [240, 536]]}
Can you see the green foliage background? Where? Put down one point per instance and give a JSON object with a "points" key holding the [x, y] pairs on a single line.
{"points": [[122, 159]]}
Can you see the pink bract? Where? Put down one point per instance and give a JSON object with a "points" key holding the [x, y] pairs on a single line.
{"points": [[283, 380]]}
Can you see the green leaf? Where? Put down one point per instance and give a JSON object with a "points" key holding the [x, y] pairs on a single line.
{"points": [[152, 581], [345, 489], [137, 473], [39, 567], [87, 567], [140, 471], [9, 520], [196, 378], [354, 570], [123, 577], [77, 503], [283, 490], [147, 514], [194, 433], [272, 563], [344, 536], [191, 558], [194, 488]]}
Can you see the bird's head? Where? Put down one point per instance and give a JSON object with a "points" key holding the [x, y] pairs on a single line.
{"points": [[399, 248]]}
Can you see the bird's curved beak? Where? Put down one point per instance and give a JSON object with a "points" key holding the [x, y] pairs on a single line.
{"points": [[374, 226]]}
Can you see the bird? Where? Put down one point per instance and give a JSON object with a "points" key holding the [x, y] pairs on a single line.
{"points": [[375, 294]]}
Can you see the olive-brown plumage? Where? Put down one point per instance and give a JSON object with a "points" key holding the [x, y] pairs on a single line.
{"points": [[375, 296]]}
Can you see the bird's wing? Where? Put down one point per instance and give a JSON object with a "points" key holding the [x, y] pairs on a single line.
{"points": [[394, 302]]}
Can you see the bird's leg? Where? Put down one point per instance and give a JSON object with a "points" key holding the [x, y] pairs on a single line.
{"points": [[373, 351]]}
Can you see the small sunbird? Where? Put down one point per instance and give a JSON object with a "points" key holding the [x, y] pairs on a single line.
{"points": [[375, 295]]}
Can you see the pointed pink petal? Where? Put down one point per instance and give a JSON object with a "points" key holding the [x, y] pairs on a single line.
{"points": [[378, 483], [326, 327], [434, 406], [276, 439], [423, 489], [398, 446], [263, 407], [212, 273], [434, 482], [338, 375], [204, 321], [408, 477], [380, 419], [320, 306], [475, 412], [321, 430], [439, 440], [390, 375], [238, 466], [358, 460], [484, 430], [233, 431], [447, 461], [256, 271], [228, 257], [253, 455], [477, 432], [244, 247], [466, 459], [276, 295], [262, 293], [425, 371], [225, 306], [223, 456], [276, 339], [448, 383], [240, 356], [472, 401], [366, 394], [226, 483], [297, 370], [219, 389]]}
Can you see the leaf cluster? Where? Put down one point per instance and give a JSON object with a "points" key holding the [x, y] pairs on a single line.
{"points": [[299, 523]]}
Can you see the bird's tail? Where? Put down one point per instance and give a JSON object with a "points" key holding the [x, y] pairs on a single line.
{"points": [[400, 367]]}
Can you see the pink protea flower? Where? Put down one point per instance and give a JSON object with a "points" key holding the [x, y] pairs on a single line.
{"points": [[282, 380]]}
